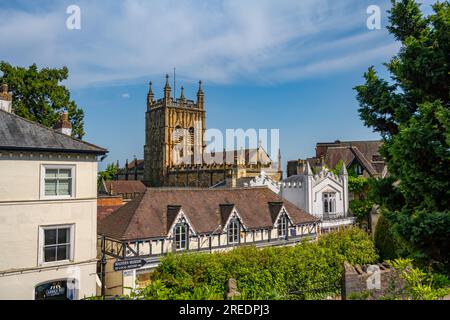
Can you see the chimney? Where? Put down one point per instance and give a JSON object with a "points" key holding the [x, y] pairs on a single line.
{"points": [[5, 99], [63, 125]]}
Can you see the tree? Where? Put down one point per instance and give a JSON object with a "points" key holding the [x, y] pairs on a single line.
{"points": [[38, 95], [108, 174], [411, 112]]}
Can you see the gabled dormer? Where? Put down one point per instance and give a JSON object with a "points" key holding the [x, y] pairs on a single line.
{"points": [[233, 224], [281, 219], [179, 227]]}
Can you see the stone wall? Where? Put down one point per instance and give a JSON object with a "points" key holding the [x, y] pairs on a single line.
{"points": [[376, 280]]}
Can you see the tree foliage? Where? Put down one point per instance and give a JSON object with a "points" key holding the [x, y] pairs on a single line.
{"points": [[311, 269], [108, 174], [418, 284], [39, 96], [411, 112], [388, 243]]}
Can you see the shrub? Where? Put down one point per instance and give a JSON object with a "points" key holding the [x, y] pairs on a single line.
{"points": [[388, 243], [311, 269]]}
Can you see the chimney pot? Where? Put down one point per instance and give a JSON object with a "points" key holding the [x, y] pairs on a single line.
{"points": [[5, 98], [63, 125]]}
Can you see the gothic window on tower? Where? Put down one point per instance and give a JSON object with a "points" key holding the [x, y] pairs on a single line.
{"points": [[191, 135], [178, 134]]}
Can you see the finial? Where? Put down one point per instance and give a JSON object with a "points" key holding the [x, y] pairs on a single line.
{"points": [[308, 170], [182, 93], [150, 95], [279, 159], [343, 171], [167, 81], [200, 86]]}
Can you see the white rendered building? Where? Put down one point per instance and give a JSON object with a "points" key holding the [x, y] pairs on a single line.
{"points": [[48, 210], [324, 195]]}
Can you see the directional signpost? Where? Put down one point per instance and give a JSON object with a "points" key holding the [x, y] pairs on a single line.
{"points": [[121, 265]]}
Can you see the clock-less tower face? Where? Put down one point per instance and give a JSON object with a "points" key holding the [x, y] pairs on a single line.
{"points": [[174, 130]]}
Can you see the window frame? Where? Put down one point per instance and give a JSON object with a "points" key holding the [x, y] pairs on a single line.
{"points": [[234, 227], [186, 235], [41, 255], [282, 226], [72, 169], [330, 199]]}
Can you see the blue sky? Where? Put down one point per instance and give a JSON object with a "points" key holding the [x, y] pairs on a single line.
{"points": [[289, 65]]}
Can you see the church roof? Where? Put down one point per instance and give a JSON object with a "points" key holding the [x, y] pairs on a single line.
{"points": [[21, 134], [233, 156], [150, 214]]}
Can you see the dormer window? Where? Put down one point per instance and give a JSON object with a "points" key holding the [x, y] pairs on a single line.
{"points": [[233, 231], [181, 236], [282, 226], [359, 170]]}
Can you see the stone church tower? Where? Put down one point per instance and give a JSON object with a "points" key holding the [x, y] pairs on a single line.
{"points": [[172, 122]]}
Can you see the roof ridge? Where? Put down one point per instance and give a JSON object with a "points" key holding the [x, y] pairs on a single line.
{"points": [[160, 189]]}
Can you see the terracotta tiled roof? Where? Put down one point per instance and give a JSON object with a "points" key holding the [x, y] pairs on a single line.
{"points": [[115, 187], [150, 214], [104, 211]]}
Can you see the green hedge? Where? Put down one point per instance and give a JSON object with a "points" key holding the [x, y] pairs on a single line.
{"points": [[313, 268]]}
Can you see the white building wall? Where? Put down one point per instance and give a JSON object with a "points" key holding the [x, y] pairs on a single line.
{"points": [[23, 211], [307, 192]]}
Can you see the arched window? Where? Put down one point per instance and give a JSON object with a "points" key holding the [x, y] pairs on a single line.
{"points": [[233, 231], [177, 134], [282, 226], [329, 203], [181, 236]]}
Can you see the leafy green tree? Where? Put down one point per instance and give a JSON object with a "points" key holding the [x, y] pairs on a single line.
{"points": [[387, 241], [39, 96], [108, 174], [411, 112]]}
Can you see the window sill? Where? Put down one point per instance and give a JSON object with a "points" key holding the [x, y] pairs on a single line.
{"points": [[57, 197], [55, 263]]}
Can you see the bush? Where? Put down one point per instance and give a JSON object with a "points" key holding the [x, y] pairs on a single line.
{"points": [[312, 269], [418, 284], [389, 245]]}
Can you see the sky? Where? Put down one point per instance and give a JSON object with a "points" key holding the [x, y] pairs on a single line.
{"points": [[287, 65]]}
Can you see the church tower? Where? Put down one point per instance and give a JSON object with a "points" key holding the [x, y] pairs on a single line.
{"points": [[174, 133]]}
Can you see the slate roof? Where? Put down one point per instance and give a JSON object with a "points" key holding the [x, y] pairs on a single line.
{"points": [[19, 134], [151, 214]]}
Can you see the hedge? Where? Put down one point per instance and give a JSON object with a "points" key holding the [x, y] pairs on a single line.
{"points": [[310, 270]]}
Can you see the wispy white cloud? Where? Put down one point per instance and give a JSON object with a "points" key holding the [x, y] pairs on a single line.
{"points": [[218, 40], [125, 95]]}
